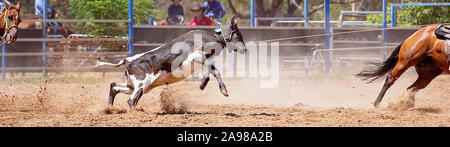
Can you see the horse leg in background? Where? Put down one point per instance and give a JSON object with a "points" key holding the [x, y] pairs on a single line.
{"points": [[426, 71]]}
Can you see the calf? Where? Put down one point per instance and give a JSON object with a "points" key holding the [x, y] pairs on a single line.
{"points": [[165, 64]]}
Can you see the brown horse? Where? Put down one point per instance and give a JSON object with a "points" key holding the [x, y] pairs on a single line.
{"points": [[65, 31], [9, 20], [424, 50]]}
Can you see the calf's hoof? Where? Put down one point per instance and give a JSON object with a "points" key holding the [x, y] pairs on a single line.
{"points": [[202, 87], [131, 104], [224, 92]]}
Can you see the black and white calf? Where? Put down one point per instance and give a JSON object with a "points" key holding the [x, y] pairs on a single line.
{"points": [[175, 60]]}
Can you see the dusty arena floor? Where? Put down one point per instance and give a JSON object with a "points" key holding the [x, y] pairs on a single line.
{"points": [[81, 100]]}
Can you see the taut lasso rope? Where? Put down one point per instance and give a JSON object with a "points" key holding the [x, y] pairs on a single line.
{"points": [[340, 33]]}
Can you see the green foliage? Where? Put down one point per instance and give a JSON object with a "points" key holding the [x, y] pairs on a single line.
{"points": [[417, 15], [377, 18], [110, 9]]}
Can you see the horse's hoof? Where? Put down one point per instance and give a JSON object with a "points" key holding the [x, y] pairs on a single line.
{"points": [[376, 105], [224, 92]]}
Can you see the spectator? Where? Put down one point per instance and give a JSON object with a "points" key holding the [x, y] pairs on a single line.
{"points": [[39, 7], [176, 13], [200, 19], [176, 9], [1, 3], [215, 10]]}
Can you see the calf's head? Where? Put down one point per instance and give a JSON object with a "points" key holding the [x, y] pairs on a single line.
{"points": [[232, 36]]}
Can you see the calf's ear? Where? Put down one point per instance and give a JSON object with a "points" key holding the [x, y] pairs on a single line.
{"points": [[5, 4], [18, 6], [232, 22]]}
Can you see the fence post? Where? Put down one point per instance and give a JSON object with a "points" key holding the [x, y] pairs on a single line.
{"points": [[393, 15], [3, 61], [306, 11], [327, 36], [252, 13], [384, 27], [130, 27], [44, 43]]}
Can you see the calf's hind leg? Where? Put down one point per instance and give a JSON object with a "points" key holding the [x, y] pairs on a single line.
{"points": [[116, 88], [139, 87]]}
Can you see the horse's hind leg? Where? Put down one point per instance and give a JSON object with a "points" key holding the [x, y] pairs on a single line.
{"points": [[398, 70], [427, 72]]}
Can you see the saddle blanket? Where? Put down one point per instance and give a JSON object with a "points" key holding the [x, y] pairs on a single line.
{"points": [[447, 49]]}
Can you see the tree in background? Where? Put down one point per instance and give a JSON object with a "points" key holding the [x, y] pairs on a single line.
{"points": [[110, 9], [417, 15], [424, 15]]}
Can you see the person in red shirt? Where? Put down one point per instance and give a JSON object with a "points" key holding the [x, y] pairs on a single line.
{"points": [[200, 19]]}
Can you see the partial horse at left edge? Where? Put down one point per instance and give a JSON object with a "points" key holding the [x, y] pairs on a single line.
{"points": [[9, 22]]}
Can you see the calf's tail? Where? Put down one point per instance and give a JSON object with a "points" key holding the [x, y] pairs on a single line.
{"points": [[100, 63]]}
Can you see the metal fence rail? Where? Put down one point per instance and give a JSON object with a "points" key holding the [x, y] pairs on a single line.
{"points": [[318, 52], [75, 54], [78, 20]]}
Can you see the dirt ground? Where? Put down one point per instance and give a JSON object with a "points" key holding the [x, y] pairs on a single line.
{"points": [[81, 100]]}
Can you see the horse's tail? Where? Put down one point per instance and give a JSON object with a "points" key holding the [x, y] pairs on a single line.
{"points": [[378, 70]]}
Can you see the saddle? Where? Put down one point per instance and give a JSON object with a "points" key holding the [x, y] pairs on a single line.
{"points": [[443, 32]]}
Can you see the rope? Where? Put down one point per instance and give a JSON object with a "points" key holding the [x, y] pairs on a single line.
{"points": [[340, 33]]}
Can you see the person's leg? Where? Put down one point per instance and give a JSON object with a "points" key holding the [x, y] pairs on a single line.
{"points": [[55, 24], [56, 30]]}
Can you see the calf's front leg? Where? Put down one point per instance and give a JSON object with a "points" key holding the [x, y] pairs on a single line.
{"points": [[216, 73], [211, 69]]}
